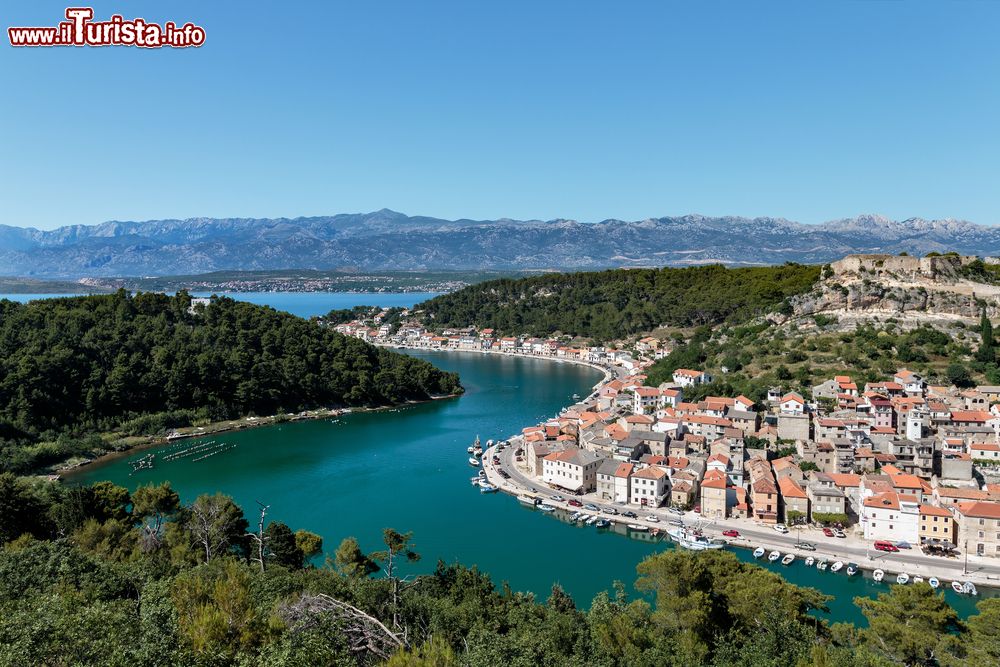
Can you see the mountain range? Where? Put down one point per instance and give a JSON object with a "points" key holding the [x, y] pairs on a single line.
{"points": [[386, 239]]}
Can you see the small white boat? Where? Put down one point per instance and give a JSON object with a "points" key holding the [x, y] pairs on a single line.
{"points": [[773, 556], [969, 588], [476, 481], [591, 520], [787, 560], [469, 449], [758, 552], [486, 487], [837, 567], [602, 523], [934, 583], [877, 575], [473, 461], [852, 569], [574, 516], [637, 527], [821, 565], [957, 587], [489, 443], [527, 500], [903, 578], [917, 579], [545, 507], [691, 540], [810, 561]]}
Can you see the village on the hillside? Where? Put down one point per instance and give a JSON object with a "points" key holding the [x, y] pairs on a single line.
{"points": [[900, 461]]}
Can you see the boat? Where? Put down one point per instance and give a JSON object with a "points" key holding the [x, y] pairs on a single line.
{"points": [[758, 552], [527, 500], [787, 560], [574, 516], [691, 540], [810, 561], [545, 507], [473, 461], [469, 449], [602, 523], [917, 579], [969, 588], [837, 567], [489, 443], [957, 587], [486, 487], [821, 565], [591, 520], [902, 578], [638, 527], [877, 575], [852, 569], [773, 556], [476, 481], [934, 583]]}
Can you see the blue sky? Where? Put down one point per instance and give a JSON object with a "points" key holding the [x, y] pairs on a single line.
{"points": [[805, 110]]}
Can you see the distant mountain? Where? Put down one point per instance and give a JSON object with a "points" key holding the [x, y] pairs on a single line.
{"points": [[389, 240]]}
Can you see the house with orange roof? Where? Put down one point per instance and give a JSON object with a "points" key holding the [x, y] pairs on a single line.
{"points": [[794, 501], [685, 377], [711, 428], [714, 495], [792, 404], [949, 497], [988, 452], [613, 480], [572, 469], [978, 527], [936, 523], [913, 383], [892, 517], [649, 486]]}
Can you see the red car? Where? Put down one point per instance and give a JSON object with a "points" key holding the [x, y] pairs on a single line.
{"points": [[828, 532], [731, 533], [575, 503], [886, 546]]}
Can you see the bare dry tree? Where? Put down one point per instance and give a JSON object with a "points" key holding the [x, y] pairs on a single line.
{"points": [[368, 639], [259, 538]]}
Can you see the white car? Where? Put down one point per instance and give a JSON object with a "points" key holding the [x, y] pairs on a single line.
{"points": [[781, 528], [653, 518]]}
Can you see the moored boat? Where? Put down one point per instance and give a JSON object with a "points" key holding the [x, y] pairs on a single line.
{"points": [[969, 588], [574, 516], [486, 487], [787, 560], [821, 565], [934, 583], [527, 500], [878, 575], [591, 520], [473, 461], [638, 527], [758, 552], [902, 578], [602, 523], [773, 556], [852, 569], [692, 540], [957, 587], [810, 561], [545, 507], [469, 449], [917, 579], [836, 567]]}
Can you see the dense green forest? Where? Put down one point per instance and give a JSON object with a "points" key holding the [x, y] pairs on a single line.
{"points": [[144, 363], [98, 576], [607, 305]]}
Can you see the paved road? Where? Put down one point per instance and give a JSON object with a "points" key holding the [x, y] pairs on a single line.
{"points": [[852, 549]]}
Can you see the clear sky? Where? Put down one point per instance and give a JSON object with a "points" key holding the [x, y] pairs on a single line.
{"points": [[539, 109]]}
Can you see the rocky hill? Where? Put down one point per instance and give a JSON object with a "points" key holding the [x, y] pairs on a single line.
{"points": [[389, 240]]}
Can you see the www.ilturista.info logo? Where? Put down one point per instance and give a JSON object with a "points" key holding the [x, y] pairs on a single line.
{"points": [[81, 30]]}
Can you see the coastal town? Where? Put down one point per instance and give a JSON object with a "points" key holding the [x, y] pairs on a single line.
{"points": [[901, 471]]}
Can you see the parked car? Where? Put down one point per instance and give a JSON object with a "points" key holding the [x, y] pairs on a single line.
{"points": [[653, 518], [781, 528], [630, 515], [505, 474], [575, 503], [903, 545], [610, 510], [807, 546], [839, 533], [676, 522], [558, 499], [731, 533], [592, 507], [674, 510], [882, 545], [828, 532]]}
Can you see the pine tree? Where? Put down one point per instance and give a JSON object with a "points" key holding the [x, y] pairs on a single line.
{"points": [[986, 352]]}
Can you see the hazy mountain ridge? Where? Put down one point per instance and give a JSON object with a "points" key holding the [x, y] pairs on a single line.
{"points": [[389, 240]]}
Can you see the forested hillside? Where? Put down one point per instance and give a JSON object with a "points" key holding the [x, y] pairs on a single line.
{"points": [[99, 576], [149, 361], [610, 304]]}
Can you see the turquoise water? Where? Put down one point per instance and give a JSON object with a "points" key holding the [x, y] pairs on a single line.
{"points": [[408, 469], [303, 304]]}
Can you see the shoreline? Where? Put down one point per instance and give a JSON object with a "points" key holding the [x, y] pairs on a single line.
{"points": [[226, 426]]}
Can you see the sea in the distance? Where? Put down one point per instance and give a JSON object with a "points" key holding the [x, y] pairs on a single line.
{"points": [[407, 469]]}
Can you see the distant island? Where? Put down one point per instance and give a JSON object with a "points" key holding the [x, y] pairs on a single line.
{"points": [[390, 241]]}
